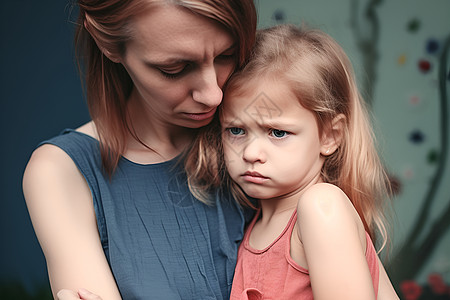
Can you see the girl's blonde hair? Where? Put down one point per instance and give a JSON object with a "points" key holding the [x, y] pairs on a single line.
{"points": [[105, 27], [321, 76]]}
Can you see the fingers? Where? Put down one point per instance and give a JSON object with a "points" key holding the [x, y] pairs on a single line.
{"points": [[67, 295], [86, 295], [82, 294]]}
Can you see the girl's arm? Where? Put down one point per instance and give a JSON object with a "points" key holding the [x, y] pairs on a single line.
{"points": [[334, 242], [61, 208], [385, 289]]}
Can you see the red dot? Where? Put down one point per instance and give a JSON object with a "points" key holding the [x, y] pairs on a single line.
{"points": [[415, 100], [424, 65]]}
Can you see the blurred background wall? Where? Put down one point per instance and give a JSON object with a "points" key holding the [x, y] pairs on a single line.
{"points": [[398, 49], [40, 95]]}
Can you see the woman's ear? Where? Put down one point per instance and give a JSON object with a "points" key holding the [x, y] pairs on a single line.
{"points": [[332, 135], [105, 51]]}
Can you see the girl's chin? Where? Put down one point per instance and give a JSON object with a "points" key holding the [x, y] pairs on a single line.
{"points": [[259, 195]]}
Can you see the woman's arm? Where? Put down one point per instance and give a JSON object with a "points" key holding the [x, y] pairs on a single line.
{"points": [[334, 242], [61, 208]]}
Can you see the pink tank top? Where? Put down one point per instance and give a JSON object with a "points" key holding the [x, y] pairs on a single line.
{"points": [[271, 273]]}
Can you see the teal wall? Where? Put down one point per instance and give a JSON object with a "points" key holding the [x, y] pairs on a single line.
{"points": [[405, 99]]}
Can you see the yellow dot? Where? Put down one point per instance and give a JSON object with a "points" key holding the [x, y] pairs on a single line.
{"points": [[401, 59]]}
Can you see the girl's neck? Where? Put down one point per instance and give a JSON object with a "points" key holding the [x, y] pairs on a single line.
{"points": [[284, 204], [274, 208], [273, 220]]}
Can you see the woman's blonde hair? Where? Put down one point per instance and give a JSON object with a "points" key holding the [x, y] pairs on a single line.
{"points": [[105, 27], [321, 76]]}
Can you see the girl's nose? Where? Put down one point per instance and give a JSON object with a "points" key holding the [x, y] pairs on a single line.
{"points": [[253, 152]]}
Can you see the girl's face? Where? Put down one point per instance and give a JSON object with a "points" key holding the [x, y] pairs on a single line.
{"points": [[272, 144], [179, 63]]}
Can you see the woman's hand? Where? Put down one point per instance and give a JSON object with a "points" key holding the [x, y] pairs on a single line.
{"points": [[82, 294]]}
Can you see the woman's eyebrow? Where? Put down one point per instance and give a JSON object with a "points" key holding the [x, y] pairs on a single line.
{"points": [[181, 60], [232, 47]]}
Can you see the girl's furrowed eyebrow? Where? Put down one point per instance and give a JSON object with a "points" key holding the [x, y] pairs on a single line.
{"points": [[231, 123], [278, 123]]}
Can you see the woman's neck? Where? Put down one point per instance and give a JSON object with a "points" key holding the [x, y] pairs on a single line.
{"points": [[152, 140]]}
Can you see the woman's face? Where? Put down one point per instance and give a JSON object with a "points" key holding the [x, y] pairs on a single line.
{"points": [[179, 63]]}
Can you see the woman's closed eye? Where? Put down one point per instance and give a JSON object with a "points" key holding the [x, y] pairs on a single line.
{"points": [[174, 72], [227, 56]]}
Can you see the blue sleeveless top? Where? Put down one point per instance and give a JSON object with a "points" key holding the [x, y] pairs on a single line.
{"points": [[160, 242]]}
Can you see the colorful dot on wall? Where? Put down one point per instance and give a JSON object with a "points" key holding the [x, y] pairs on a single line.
{"points": [[279, 15], [415, 100], [432, 157], [416, 137], [401, 59], [410, 289], [413, 25], [408, 173], [432, 46], [424, 65]]}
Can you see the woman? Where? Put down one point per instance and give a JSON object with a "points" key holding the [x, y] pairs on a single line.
{"points": [[109, 201]]}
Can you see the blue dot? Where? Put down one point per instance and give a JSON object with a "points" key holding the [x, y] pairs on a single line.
{"points": [[416, 137], [432, 46], [279, 15]]}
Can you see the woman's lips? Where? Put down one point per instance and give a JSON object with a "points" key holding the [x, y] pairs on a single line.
{"points": [[201, 116]]}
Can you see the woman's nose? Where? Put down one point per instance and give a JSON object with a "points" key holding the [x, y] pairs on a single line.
{"points": [[208, 91]]}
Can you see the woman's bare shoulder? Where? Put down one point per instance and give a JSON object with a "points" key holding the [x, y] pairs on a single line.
{"points": [[50, 171], [50, 162], [89, 129]]}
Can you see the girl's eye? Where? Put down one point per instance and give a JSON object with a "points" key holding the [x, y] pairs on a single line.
{"points": [[236, 131], [278, 133]]}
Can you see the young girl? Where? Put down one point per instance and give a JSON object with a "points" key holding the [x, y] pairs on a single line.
{"points": [[296, 137]]}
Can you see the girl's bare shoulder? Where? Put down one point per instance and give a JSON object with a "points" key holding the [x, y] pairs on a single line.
{"points": [[326, 207], [324, 198]]}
